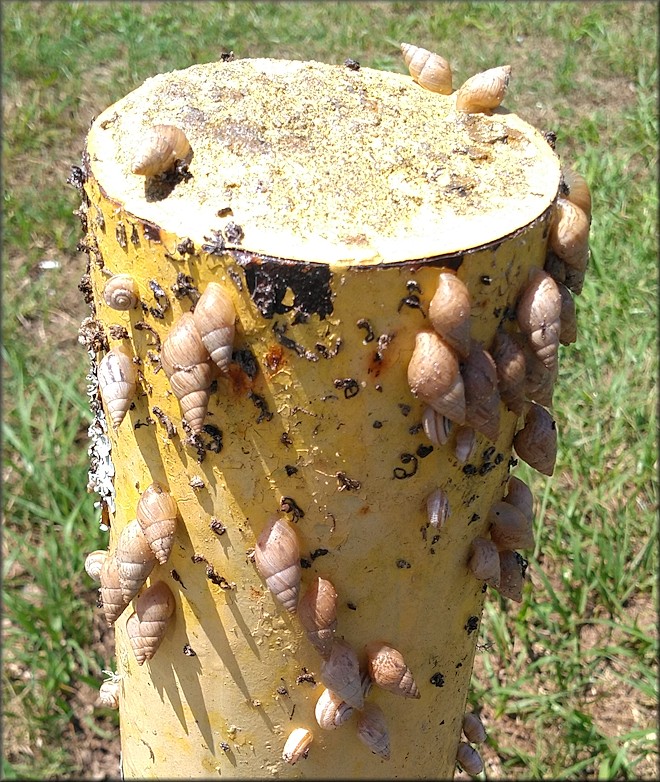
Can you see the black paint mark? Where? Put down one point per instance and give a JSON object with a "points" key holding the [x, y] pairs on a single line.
{"points": [[120, 235], [405, 409], [185, 247], [217, 526], [437, 680], [151, 231], [352, 65], [162, 302], [346, 483], [289, 505], [377, 424], [363, 323], [319, 552], [280, 332], [424, 450], [400, 472], [177, 577], [215, 243], [189, 651], [472, 624], [215, 445], [470, 469], [402, 564], [215, 578], [290, 469], [234, 233], [350, 386], [262, 405]]}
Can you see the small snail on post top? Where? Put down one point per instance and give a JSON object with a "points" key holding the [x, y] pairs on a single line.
{"points": [[162, 146]]}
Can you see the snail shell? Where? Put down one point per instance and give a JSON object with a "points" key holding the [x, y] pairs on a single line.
{"points": [[578, 190], [189, 369], [435, 378], [482, 397], [94, 562], [297, 745], [509, 359], [484, 91], [109, 694], [555, 267], [121, 292], [156, 512], [436, 426], [484, 562], [317, 611], [111, 593], [331, 711], [574, 280], [388, 669], [510, 528], [539, 380], [340, 673], [569, 234], [135, 559], [277, 557], [567, 317], [214, 318], [429, 70], [437, 508], [372, 730], [520, 495], [117, 383], [469, 759], [449, 312], [466, 443], [473, 728], [536, 442], [153, 609], [161, 147], [538, 314], [512, 569]]}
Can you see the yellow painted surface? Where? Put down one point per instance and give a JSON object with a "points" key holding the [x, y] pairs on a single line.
{"points": [[352, 455]]}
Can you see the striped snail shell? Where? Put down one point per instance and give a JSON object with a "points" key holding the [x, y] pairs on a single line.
{"points": [[161, 147], [578, 190], [538, 314], [109, 694], [189, 369], [389, 671], [156, 513], [111, 593], [484, 91], [297, 745], [372, 730], [510, 528], [437, 508], [519, 494], [473, 728], [482, 397], [429, 70], [569, 234], [449, 312], [214, 317], [434, 376], [331, 711], [340, 673], [536, 442], [277, 557], [436, 426], [567, 316], [469, 759], [484, 561], [317, 612], [135, 559], [121, 292], [153, 610], [509, 359], [466, 443], [94, 562], [117, 383], [512, 575]]}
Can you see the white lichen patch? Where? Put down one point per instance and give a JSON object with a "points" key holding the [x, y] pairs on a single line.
{"points": [[101, 470]]}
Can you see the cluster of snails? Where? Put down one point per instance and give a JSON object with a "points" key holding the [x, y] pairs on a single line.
{"points": [[160, 149], [466, 755], [480, 94], [347, 683]]}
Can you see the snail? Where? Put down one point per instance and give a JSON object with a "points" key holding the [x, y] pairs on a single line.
{"points": [[473, 728], [317, 612], [567, 316], [109, 694], [156, 513], [429, 70], [484, 561], [214, 318], [436, 426], [482, 397], [509, 359], [277, 557], [512, 575], [389, 671], [297, 745], [466, 443], [484, 91], [111, 593], [569, 234], [435, 378], [153, 611], [574, 280], [121, 292], [539, 380], [437, 508], [372, 730], [555, 267], [117, 383], [449, 312], [331, 711], [510, 528], [520, 495], [161, 147], [578, 190], [135, 559], [536, 442], [538, 315], [94, 562], [340, 673], [469, 759], [189, 369]]}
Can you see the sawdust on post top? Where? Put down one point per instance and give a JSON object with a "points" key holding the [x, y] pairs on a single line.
{"points": [[321, 162]]}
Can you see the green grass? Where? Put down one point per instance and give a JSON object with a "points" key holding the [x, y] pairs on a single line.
{"points": [[567, 681]]}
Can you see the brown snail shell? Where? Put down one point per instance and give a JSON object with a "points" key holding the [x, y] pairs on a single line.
{"points": [[555, 267], [482, 397], [189, 369], [121, 292], [331, 711], [117, 383], [567, 317], [484, 562], [94, 562], [109, 694], [569, 234], [473, 728], [512, 575], [434, 376], [449, 312], [277, 557], [214, 318], [574, 280], [578, 190], [135, 559], [388, 669], [536, 442], [509, 359], [436, 426], [111, 593], [484, 91], [520, 495], [161, 147], [466, 443], [429, 70], [340, 673], [297, 745], [156, 512], [437, 508], [539, 380], [510, 528], [538, 314], [372, 730], [153, 609], [317, 612], [469, 759]]}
